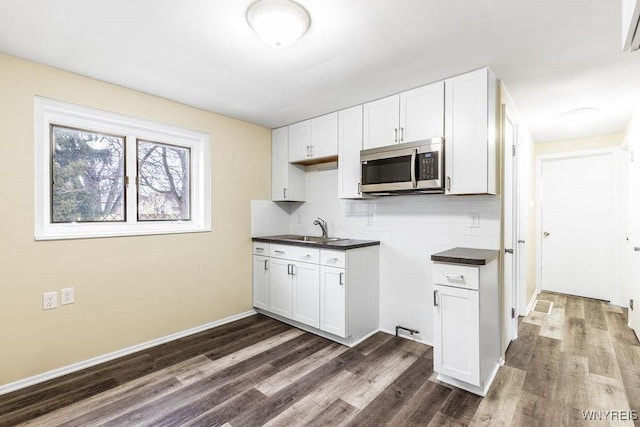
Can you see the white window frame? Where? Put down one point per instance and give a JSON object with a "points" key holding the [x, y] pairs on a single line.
{"points": [[51, 112]]}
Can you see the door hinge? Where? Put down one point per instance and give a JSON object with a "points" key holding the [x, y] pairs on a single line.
{"points": [[631, 304], [513, 150], [631, 155], [513, 313]]}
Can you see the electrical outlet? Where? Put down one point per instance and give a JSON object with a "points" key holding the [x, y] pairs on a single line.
{"points": [[370, 219], [475, 220], [66, 296], [49, 300]]}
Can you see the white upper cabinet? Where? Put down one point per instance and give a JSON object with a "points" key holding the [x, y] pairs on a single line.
{"points": [[324, 136], [422, 113], [314, 139], [287, 180], [470, 133], [299, 141], [410, 116], [349, 146], [381, 122]]}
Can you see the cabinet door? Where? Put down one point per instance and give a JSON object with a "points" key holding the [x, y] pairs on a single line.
{"points": [[324, 136], [261, 282], [306, 293], [300, 141], [456, 335], [422, 113], [466, 133], [349, 146], [333, 298], [287, 180], [279, 163], [381, 122], [281, 297]]}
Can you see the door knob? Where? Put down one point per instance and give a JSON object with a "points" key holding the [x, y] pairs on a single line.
{"points": [[546, 234], [508, 251]]}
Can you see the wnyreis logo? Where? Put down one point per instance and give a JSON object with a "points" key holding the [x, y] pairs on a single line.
{"points": [[610, 415]]}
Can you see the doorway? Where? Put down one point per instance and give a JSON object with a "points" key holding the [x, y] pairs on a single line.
{"points": [[577, 211]]}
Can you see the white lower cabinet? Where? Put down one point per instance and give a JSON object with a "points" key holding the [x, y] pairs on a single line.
{"points": [[333, 293], [281, 287], [333, 300], [466, 316], [306, 293], [456, 332], [261, 282]]}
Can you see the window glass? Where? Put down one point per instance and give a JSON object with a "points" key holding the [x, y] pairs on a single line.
{"points": [[88, 170], [163, 182]]}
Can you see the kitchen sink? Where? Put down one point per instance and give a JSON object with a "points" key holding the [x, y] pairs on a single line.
{"points": [[311, 239]]}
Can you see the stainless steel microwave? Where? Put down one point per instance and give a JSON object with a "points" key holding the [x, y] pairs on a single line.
{"points": [[412, 167]]}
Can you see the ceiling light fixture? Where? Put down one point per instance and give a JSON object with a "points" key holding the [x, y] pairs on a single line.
{"points": [[278, 23]]}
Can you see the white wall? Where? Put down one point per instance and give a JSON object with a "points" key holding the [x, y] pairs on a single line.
{"points": [[410, 229]]}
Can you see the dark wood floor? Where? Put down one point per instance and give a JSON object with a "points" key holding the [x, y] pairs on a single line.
{"points": [[258, 371]]}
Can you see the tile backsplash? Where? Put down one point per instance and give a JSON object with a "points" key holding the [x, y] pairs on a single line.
{"points": [[409, 228]]}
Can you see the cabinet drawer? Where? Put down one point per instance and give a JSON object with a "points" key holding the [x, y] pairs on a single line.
{"points": [[460, 276], [332, 258], [261, 248], [295, 253]]}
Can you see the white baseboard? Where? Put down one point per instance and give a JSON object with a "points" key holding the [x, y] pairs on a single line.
{"points": [[532, 303], [7, 388]]}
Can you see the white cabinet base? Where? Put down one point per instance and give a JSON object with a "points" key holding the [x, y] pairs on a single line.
{"points": [[481, 390]]}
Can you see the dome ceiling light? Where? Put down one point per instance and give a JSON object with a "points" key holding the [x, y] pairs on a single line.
{"points": [[278, 23]]}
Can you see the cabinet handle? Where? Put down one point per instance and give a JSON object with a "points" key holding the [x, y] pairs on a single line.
{"points": [[395, 134], [359, 192], [448, 183], [266, 264], [279, 252], [284, 193], [401, 134], [341, 279], [332, 259], [435, 298], [293, 269], [311, 150], [308, 151], [259, 249], [288, 268], [454, 276]]}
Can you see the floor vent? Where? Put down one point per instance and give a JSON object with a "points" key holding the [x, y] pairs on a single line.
{"points": [[542, 306]]}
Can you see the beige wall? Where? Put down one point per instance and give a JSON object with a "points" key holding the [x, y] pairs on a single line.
{"points": [[603, 141], [128, 290]]}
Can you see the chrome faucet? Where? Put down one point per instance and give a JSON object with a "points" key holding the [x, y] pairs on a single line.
{"points": [[323, 224]]}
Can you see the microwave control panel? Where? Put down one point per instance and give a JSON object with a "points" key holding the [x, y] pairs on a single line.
{"points": [[428, 166]]}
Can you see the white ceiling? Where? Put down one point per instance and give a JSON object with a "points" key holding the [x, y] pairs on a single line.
{"points": [[553, 55]]}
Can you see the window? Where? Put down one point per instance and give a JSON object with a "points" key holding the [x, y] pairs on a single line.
{"points": [[100, 174]]}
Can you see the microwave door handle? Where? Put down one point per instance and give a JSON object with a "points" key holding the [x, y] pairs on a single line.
{"points": [[414, 156]]}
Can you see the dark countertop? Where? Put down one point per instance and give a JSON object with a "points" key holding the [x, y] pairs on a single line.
{"points": [[342, 244], [467, 256]]}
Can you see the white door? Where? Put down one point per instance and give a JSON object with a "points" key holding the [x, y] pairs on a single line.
{"points": [[333, 298], [281, 287], [422, 113], [577, 214], [306, 293], [381, 122], [456, 349], [634, 231], [509, 278], [261, 282]]}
